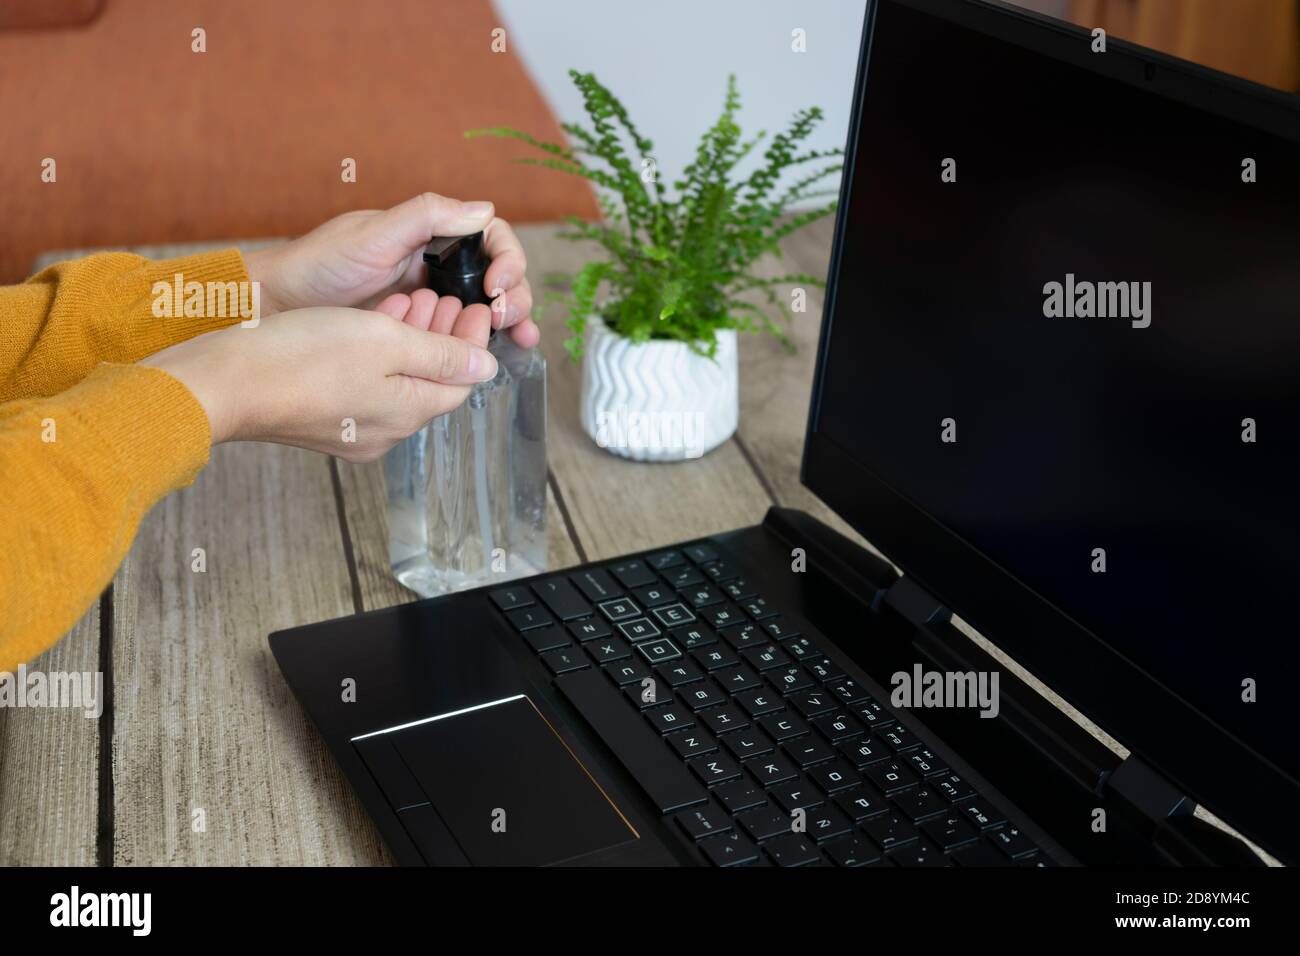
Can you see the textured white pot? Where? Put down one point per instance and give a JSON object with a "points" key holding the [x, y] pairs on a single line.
{"points": [[657, 400]]}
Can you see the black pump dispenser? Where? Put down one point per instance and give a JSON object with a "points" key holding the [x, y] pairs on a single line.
{"points": [[457, 265]]}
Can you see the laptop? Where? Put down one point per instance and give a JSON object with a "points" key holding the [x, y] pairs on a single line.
{"points": [[1058, 387]]}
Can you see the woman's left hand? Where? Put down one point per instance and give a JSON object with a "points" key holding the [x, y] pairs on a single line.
{"points": [[359, 258]]}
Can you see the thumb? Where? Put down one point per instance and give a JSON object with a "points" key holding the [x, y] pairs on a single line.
{"points": [[420, 218], [442, 358]]}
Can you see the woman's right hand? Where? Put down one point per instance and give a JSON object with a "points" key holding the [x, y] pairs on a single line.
{"points": [[342, 381]]}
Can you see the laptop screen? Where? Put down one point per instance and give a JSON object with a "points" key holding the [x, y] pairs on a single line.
{"points": [[1066, 326]]}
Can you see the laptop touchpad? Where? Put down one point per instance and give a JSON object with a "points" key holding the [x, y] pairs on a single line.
{"points": [[508, 788]]}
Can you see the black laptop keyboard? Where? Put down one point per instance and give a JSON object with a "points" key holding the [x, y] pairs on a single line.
{"points": [[756, 742]]}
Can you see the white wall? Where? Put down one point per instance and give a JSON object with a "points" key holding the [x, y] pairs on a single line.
{"points": [[668, 62]]}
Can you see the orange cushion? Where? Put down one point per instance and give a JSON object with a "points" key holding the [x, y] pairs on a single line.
{"points": [[156, 143]]}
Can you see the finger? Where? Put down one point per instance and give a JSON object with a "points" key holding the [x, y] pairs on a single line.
{"points": [[441, 358], [395, 305], [423, 304], [444, 316], [526, 334], [430, 399], [507, 255], [413, 223], [473, 325], [512, 306]]}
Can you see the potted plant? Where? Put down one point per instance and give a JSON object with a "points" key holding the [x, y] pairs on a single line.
{"points": [[678, 276]]}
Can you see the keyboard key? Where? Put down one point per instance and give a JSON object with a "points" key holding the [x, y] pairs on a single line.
{"points": [[770, 771], [596, 584], [701, 595], [863, 752], [919, 803], [792, 849], [890, 830], [627, 672], [700, 696], [806, 751], [640, 629], [689, 638], [757, 703], [562, 598], [740, 795], [835, 776], [802, 649], [542, 639], [632, 573], [949, 831], [683, 577], [673, 615], [659, 650], [747, 743], [611, 649], [705, 820], [721, 615], [722, 720], [661, 775], [590, 629], [729, 849], [898, 738], [667, 719], [780, 630], [692, 743], [920, 853], [765, 658], [783, 726], [714, 769], [738, 590], [663, 560], [826, 822], [981, 815], [797, 795], [619, 609], [813, 704], [746, 636], [508, 599], [719, 571], [789, 680], [1012, 842], [676, 675], [860, 803], [954, 788], [736, 679], [564, 660], [758, 609], [654, 595], [715, 658], [527, 618], [701, 553], [763, 823], [848, 691], [926, 763], [838, 726], [824, 669], [851, 851], [872, 714], [648, 694], [890, 776]]}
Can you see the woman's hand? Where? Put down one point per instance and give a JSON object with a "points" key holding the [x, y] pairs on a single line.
{"points": [[359, 258], [345, 382]]}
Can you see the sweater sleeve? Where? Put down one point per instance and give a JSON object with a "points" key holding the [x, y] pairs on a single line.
{"points": [[79, 472], [111, 307]]}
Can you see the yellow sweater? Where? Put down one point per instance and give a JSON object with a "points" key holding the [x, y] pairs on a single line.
{"points": [[88, 441]]}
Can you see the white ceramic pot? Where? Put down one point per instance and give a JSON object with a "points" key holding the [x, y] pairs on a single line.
{"points": [[657, 400]]}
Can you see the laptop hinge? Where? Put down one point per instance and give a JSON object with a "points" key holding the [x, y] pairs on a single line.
{"points": [[1150, 793], [917, 605]]}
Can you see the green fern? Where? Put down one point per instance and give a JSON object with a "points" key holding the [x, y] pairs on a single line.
{"points": [[680, 267]]}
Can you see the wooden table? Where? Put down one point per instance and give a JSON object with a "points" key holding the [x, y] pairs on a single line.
{"points": [[202, 755]]}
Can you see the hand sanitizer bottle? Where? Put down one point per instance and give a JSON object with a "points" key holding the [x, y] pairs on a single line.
{"points": [[467, 493]]}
